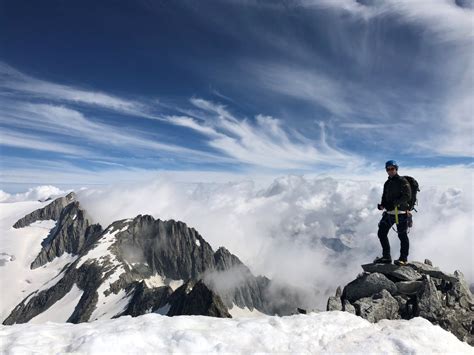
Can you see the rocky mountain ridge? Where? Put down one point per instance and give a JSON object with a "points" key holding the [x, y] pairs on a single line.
{"points": [[387, 291], [114, 269]]}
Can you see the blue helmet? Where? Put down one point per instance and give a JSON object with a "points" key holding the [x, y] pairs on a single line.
{"points": [[391, 163]]}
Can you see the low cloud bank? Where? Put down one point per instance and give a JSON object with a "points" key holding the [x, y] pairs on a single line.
{"points": [[312, 234], [308, 233]]}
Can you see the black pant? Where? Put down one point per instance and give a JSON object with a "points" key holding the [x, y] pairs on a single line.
{"points": [[385, 224]]}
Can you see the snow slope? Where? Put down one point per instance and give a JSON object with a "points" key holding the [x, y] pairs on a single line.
{"points": [[18, 248], [327, 332]]}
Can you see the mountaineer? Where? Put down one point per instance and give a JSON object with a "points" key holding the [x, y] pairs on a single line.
{"points": [[398, 199]]}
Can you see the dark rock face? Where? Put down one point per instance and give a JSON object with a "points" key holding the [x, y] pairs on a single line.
{"points": [[51, 211], [197, 299], [169, 248], [72, 232], [147, 300], [415, 290], [234, 282]]}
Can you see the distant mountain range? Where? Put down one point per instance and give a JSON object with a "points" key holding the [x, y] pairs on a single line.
{"points": [[137, 266]]}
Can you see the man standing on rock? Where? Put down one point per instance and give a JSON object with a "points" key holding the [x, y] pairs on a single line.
{"points": [[395, 200]]}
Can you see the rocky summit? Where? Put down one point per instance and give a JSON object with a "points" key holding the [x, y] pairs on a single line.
{"points": [[387, 291], [136, 266]]}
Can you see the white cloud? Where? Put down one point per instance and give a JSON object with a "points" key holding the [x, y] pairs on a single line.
{"points": [[278, 230], [36, 193]]}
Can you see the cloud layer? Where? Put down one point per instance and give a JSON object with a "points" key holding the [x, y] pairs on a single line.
{"points": [[289, 229]]}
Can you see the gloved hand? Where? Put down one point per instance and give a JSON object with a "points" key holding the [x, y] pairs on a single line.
{"points": [[380, 207]]}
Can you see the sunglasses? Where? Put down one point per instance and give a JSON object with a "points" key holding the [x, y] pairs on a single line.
{"points": [[390, 169]]}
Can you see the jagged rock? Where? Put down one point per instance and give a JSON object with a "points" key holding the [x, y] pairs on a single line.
{"points": [[459, 322], [197, 299], [234, 282], [168, 248], [432, 271], [348, 307], [409, 287], [147, 300], [72, 232], [401, 273], [380, 306], [428, 262], [462, 292], [366, 286], [429, 302], [334, 304], [402, 306], [442, 298], [51, 211]]}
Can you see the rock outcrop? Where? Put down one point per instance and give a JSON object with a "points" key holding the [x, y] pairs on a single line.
{"points": [[196, 298], [73, 231], [386, 291], [51, 211]]}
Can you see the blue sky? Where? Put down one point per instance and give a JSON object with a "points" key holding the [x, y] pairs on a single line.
{"points": [[92, 92]]}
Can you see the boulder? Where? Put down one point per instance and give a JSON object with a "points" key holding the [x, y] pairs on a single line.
{"points": [[401, 273], [367, 285], [409, 287], [462, 292], [334, 304], [348, 307], [380, 306], [426, 269]]}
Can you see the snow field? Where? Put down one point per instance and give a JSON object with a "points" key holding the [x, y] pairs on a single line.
{"points": [[327, 332], [22, 246], [62, 309]]}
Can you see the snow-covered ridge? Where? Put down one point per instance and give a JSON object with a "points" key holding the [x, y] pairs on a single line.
{"points": [[134, 266]]}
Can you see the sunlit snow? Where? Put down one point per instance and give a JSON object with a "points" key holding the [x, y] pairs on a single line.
{"points": [[327, 332]]}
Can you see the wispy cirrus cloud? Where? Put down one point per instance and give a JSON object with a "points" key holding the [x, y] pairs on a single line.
{"points": [[15, 83], [66, 122], [265, 142], [44, 109], [439, 105], [29, 141]]}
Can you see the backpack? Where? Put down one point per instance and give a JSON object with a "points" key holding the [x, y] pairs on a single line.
{"points": [[414, 189]]}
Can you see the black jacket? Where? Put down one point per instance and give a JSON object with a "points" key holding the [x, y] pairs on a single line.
{"points": [[396, 192]]}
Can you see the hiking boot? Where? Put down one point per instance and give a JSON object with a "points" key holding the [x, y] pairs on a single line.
{"points": [[400, 262], [383, 260]]}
